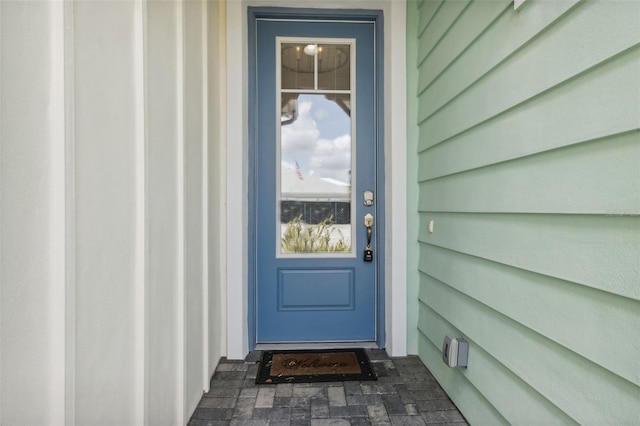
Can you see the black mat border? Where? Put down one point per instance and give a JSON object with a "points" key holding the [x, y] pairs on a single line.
{"points": [[264, 369]]}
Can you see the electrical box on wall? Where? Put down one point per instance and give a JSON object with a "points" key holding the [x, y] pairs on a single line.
{"points": [[455, 351]]}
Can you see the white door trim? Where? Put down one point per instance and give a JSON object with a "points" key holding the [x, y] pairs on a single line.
{"points": [[236, 174]]}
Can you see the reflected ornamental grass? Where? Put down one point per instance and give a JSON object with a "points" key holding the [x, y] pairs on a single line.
{"points": [[299, 237]]}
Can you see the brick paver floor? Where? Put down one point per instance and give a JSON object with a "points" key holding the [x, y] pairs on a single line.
{"points": [[404, 394]]}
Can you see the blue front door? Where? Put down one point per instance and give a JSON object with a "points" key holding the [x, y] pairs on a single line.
{"points": [[315, 181]]}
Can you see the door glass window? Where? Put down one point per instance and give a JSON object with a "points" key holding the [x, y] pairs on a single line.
{"points": [[316, 157]]}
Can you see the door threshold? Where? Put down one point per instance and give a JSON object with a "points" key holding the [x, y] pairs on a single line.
{"points": [[315, 345]]}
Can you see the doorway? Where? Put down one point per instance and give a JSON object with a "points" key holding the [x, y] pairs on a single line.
{"points": [[316, 189]]}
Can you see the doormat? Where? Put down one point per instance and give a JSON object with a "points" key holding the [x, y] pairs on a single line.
{"points": [[309, 366]]}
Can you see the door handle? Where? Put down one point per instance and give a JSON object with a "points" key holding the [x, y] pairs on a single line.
{"points": [[368, 223]]}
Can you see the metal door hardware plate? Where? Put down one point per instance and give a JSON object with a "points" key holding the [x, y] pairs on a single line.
{"points": [[368, 220]]}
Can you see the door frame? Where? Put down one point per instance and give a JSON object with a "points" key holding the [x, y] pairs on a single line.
{"points": [[305, 14], [230, 326]]}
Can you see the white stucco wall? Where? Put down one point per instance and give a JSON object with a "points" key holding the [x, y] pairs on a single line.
{"points": [[105, 209], [395, 157]]}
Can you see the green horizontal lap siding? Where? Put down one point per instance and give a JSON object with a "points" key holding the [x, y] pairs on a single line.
{"points": [[591, 250], [541, 123], [529, 165], [505, 36], [467, 397], [547, 302], [560, 181], [499, 384], [558, 54], [427, 10], [473, 20], [446, 14], [586, 392]]}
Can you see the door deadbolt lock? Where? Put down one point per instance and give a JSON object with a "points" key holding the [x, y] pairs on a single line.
{"points": [[368, 197]]}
